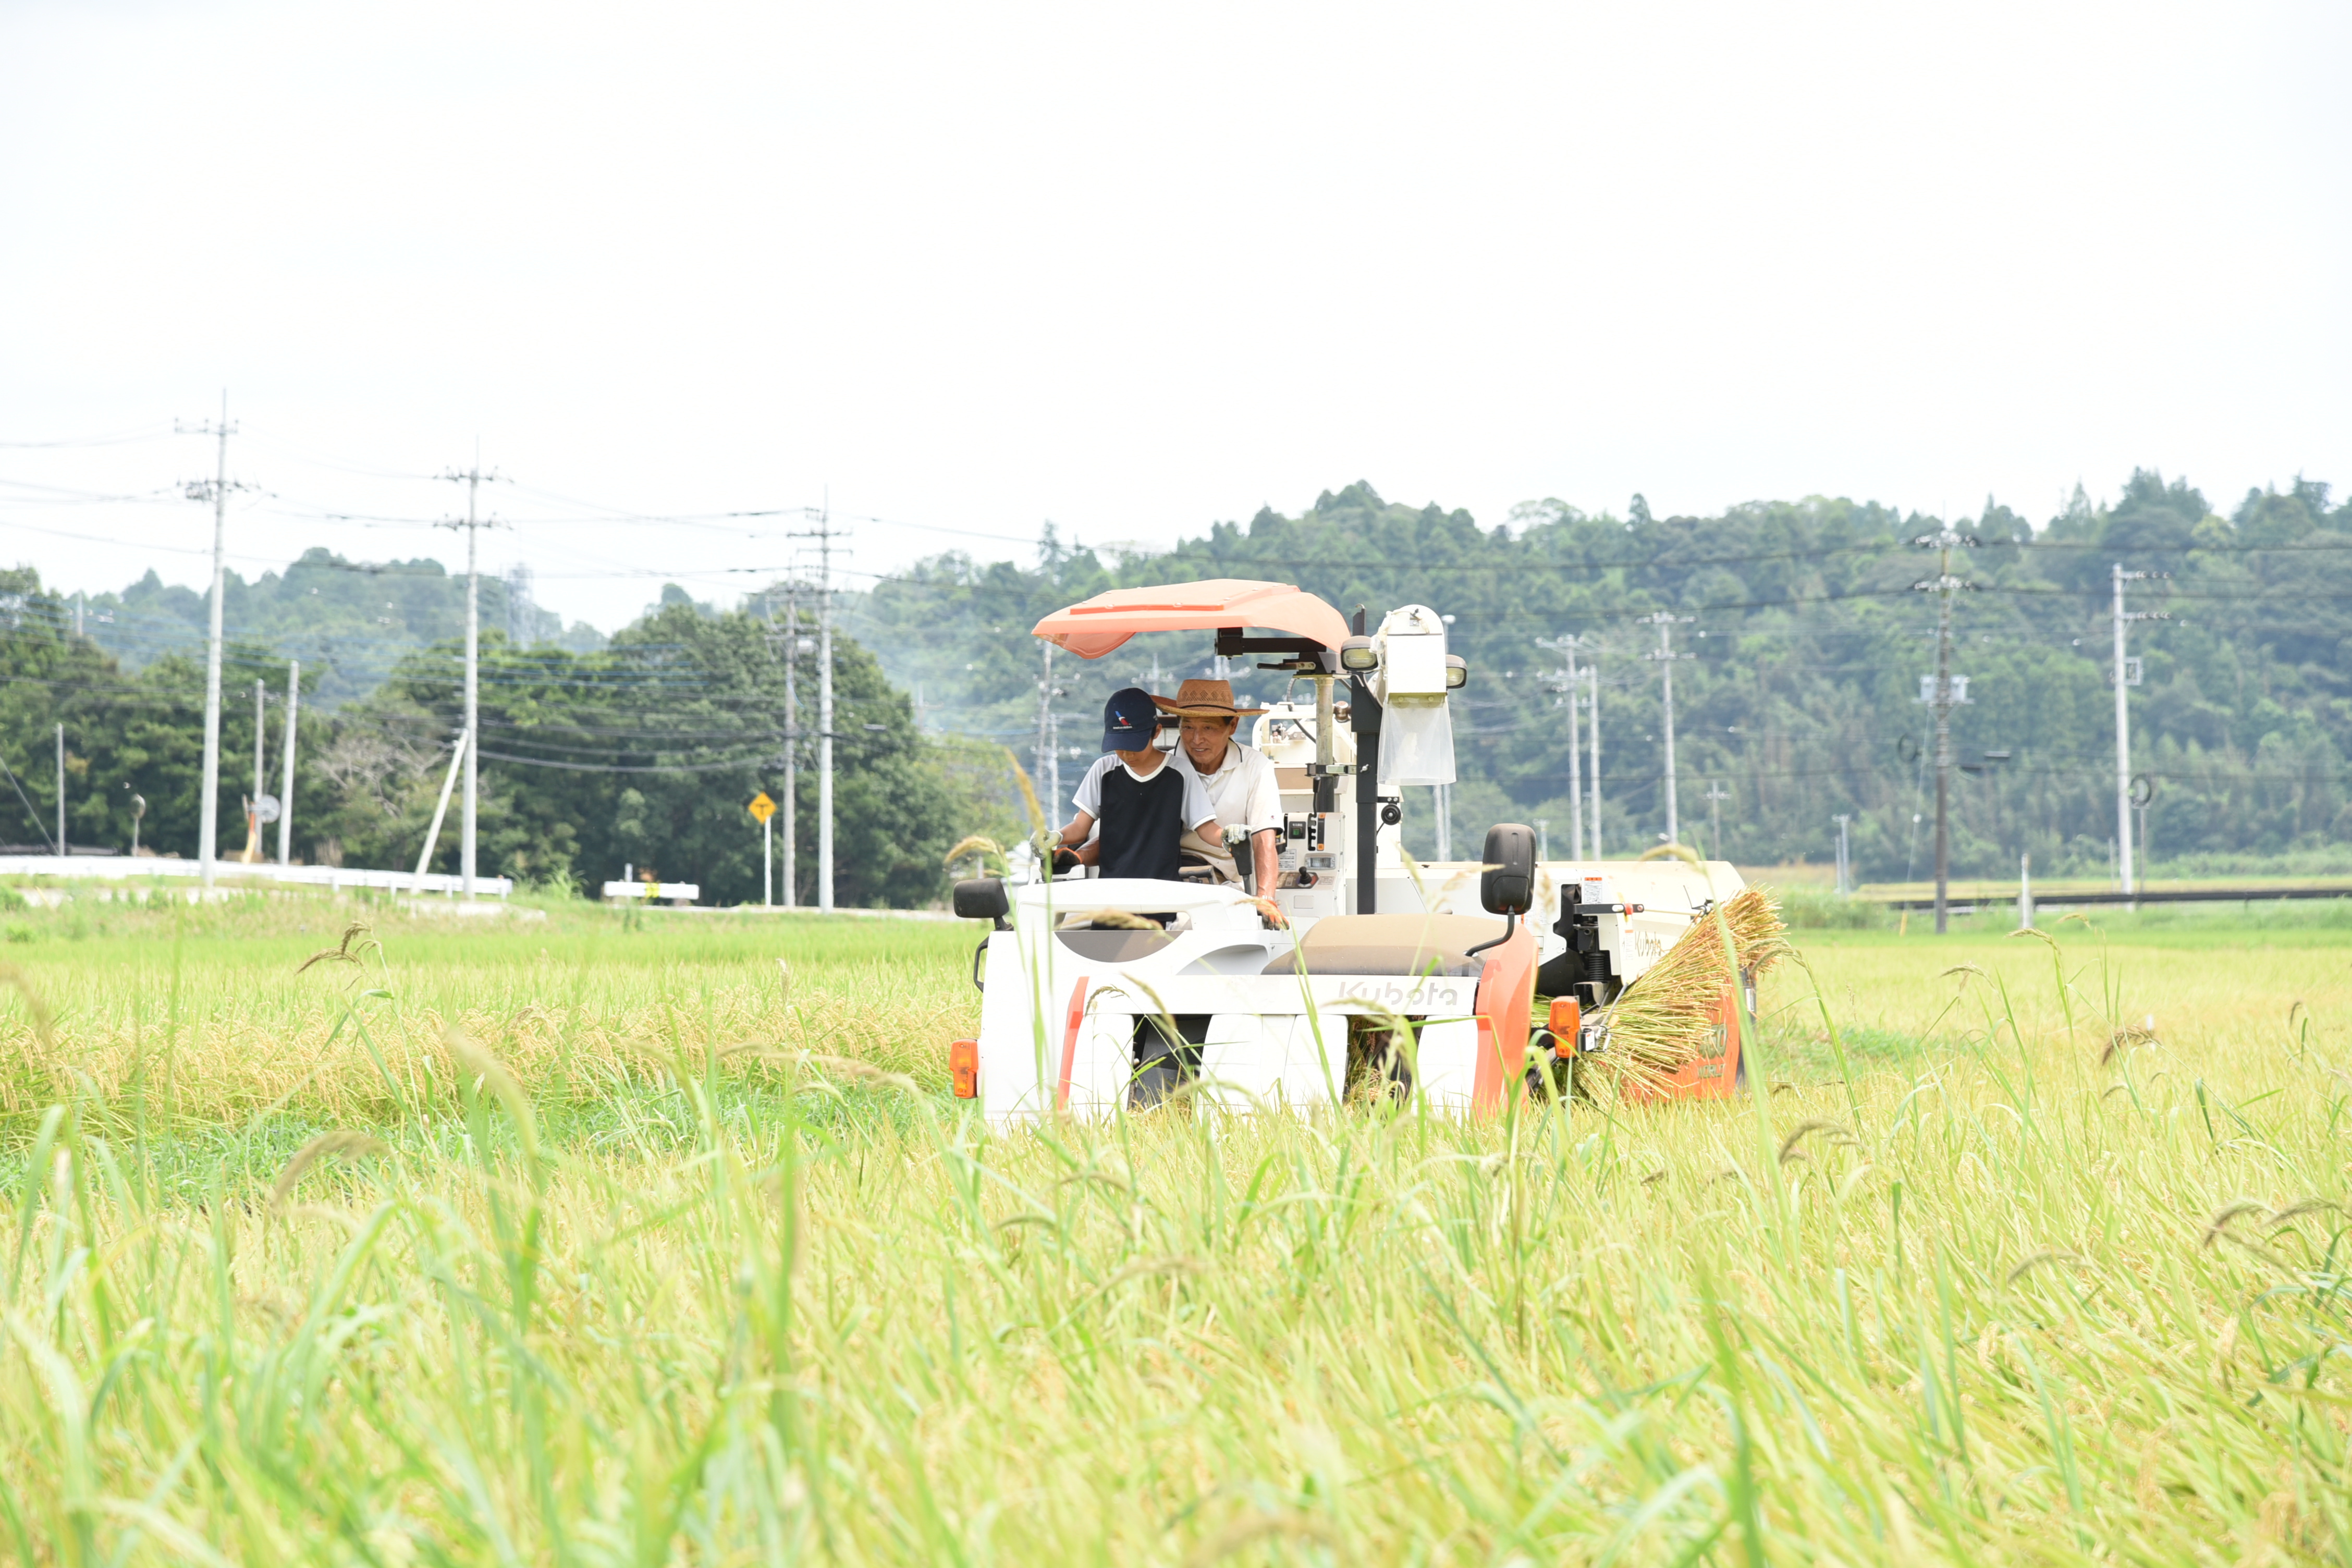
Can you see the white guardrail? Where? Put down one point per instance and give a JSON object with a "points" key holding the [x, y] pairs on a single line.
{"points": [[237, 873]]}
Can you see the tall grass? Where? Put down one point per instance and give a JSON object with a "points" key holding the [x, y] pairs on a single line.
{"points": [[2044, 1283]]}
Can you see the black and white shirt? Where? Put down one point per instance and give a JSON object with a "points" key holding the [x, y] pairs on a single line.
{"points": [[1142, 816]]}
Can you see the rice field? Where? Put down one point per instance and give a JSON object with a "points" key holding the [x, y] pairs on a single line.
{"points": [[592, 1241]]}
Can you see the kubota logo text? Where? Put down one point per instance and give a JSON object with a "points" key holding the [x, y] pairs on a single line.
{"points": [[1398, 997]]}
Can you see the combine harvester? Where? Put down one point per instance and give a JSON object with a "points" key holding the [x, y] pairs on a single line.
{"points": [[1082, 977]]}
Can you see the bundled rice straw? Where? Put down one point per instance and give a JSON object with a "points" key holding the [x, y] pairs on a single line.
{"points": [[1668, 1018]]}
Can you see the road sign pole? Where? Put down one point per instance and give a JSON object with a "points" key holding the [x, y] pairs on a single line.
{"points": [[764, 811]]}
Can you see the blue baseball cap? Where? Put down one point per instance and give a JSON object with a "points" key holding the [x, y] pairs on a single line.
{"points": [[1128, 720]]}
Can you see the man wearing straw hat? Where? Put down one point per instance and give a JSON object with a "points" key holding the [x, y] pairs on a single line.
{"points": [[1240, 780]]}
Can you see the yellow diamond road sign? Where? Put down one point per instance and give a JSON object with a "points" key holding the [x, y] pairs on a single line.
{"points": [[762, 807]]}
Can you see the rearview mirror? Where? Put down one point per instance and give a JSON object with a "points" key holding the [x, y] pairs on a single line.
{"points": [[982, 899], [1507, 885]]}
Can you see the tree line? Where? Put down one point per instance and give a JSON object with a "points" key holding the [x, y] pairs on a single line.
{"points": [[1801, 702], [641, 755]]}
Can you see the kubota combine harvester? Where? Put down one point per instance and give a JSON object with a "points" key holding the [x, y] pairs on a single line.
{"points": [[1085, 979]]}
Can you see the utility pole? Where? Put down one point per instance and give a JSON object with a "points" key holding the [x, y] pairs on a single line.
{"points": [[1715, 796], [2126, 675], [824, 534], [1665, 622], [791, 743], [214, 490], [1942, 696], [1592, 676], [62, 850], [472, 480], [1049, 740], [260, 765], [1565, 646], [286, 789], [1845, 856]]}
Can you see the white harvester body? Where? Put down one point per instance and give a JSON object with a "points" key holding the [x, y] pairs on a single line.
{"points": [[1273, 1017]]}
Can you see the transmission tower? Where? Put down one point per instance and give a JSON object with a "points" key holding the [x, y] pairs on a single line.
{"points": [[472, 524], [1942, 696], [216, 491]]}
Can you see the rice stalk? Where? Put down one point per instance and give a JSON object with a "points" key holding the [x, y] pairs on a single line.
{"points": [[1669, 1017]]}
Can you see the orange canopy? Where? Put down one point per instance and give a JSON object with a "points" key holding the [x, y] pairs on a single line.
{"points": [[1105, 621]]}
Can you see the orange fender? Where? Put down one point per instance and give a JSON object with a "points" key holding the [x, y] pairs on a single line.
{"points": [[1506, 991], [1070, 1042], [1715, 1076]]}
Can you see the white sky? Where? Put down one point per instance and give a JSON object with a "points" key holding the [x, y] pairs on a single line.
{"points": [[1136, 270]]}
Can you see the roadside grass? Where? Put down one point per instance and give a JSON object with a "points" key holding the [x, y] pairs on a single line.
{"points": [[2038, 1257]]}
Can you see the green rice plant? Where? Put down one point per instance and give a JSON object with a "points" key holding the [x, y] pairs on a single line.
{"points": [[654, 1257]]}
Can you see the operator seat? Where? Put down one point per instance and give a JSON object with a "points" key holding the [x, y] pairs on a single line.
{"points": [[1390, 944]]}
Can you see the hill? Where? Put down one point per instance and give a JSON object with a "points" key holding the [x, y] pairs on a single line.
{"points": [[1809, 640]]}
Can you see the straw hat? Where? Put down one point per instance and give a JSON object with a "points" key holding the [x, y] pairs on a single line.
{"points": [[1206, 698]]}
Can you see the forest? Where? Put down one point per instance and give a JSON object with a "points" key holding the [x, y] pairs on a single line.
{"points": [[638, 756], [1796, 683], [1806, 642]]}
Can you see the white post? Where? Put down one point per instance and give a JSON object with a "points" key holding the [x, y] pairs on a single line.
{"points": [[62, 850], [2025, 893], [440, 810], [2123, 739], [286, 789]]}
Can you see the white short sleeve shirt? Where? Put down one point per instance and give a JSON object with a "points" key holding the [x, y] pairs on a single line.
{"points": [[1243, 790], [1197, 809]]}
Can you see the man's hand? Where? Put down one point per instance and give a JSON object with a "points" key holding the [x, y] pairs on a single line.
{"points": [[1271, 912]]}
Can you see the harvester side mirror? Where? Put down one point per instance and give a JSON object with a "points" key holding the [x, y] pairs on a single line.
{"points": [[984, 899], [1507, 885]]}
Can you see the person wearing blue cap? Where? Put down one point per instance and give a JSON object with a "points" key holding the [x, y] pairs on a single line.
{"points": [[1142, 805]]}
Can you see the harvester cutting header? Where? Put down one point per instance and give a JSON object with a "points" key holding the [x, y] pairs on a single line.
{"points": [[1358, 972]]}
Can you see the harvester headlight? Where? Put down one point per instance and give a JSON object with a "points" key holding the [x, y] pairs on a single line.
{"points": [[1358, 657], [1458, 672]]}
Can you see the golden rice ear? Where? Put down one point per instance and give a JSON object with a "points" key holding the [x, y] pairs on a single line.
{"points": [[345, 1143]]}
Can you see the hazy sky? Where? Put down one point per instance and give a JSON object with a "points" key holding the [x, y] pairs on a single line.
{"points": [[1136, 270]]}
